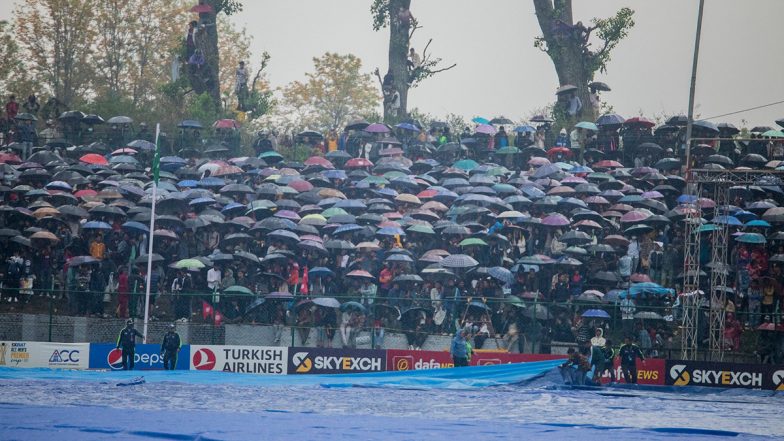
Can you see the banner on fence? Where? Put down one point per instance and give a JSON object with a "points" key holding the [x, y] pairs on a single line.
{"points": [[32, 354], [245, 359], [406, 360], [649, 371], [147, 357], [717, 374], [335, 361]]}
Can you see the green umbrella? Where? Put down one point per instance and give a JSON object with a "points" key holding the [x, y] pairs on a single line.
{"points": [[706, 228], [754, 238], [375, 180], [466, 164], [774, 134], [334, 211], [423, 229], [188, 264], [515, 301], [508, 150], [586, 125], [238, 290], [472, 242]]}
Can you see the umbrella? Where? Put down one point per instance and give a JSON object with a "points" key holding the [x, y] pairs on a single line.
{"points": [[377, 128], [120, 120], [96, 225], [361, 274], [587, 125], [82, 260], [459, 261], [501, 274], [94, 158], [609, 120], [189, 264], [648, 315], [501, 120], [752, 238], [565, 88], [238, 290], [350, 305], [142, 259], [596, 313], [598, 85], [327, 302]]}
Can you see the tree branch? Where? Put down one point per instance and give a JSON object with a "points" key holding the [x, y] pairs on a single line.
{"points": [[433, 72]]}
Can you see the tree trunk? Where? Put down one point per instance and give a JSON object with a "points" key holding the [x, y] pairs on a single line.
{"points": [[566, 49], [205, 78], [398, 58]]}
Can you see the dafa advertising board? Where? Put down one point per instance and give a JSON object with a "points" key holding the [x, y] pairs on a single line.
{"points": [[33, 354], [747, 376], [265, 360]]}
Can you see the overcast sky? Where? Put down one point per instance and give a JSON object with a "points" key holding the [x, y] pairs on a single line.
{"points": [[499, 72]]}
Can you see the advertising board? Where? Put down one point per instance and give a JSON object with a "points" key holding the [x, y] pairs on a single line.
{"points": [[33, 354], [244, 359], [718, 374], [649, 371], [335, 361], [147, 357], [406, 360]]}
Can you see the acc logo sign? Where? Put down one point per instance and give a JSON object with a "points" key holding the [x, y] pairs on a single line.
{"points": [[302, 362], [679, 374], [204, 360], [778, 380], [64, 356]]}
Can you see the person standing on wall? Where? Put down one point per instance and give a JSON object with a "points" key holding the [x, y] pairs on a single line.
{"points": [[126, 341], [170, 348], [629, 354]]}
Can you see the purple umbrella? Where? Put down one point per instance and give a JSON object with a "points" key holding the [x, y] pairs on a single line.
{"points": [[634, 216], [485, 129], [555, 220], [279, 295], [287, 214], [652, 195], [377, 128]]}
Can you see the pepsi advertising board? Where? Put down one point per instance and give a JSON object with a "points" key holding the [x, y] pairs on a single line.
{"points": [[335, 361], [148, 357]]}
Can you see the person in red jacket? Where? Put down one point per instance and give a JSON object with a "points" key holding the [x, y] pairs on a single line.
{"points": [[11, 108]]}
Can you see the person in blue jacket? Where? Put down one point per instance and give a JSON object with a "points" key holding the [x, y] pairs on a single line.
{"points": [[127, 342], [458, 349]]}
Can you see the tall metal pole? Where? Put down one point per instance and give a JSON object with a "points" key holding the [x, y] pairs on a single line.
{"points": [[690, 120], [151, 235]]}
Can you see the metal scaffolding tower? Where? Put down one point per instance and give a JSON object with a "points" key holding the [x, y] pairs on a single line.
{"points": [[718, 182]]}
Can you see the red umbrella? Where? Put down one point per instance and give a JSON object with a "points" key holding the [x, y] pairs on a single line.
{"points": [[562, 150], [427, 194], [201, 8], [85, 193], [587, 223], [639, 121], [596, 200], [320, 161], [225, 123], [301, 186], [10, 158], [616, 241], [607, 163], [358, 163], [227, 170], [94, 158]]}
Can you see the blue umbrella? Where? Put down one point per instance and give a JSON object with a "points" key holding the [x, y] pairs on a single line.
{"points": [[546, 170], [745, 216], [610, 119], [649, 288], [212, 182], [525, 129], [96, 225], [407, 126], [596, 313], [759, 223], [188, 183], [320, 271], [347, 228], [133, 225], [729, 220], [335, 174], [353, 305], [501, 274], [480, 120], [687, 199], [390, 231]]}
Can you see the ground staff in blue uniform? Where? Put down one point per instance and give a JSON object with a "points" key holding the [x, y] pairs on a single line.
{"points": [[126, 341], [170, 348]]}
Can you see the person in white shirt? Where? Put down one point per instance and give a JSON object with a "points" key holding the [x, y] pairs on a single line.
{"points": [[214, 282]]}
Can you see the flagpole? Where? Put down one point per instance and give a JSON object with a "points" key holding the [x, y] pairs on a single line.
{"points": [[155, 173]]}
